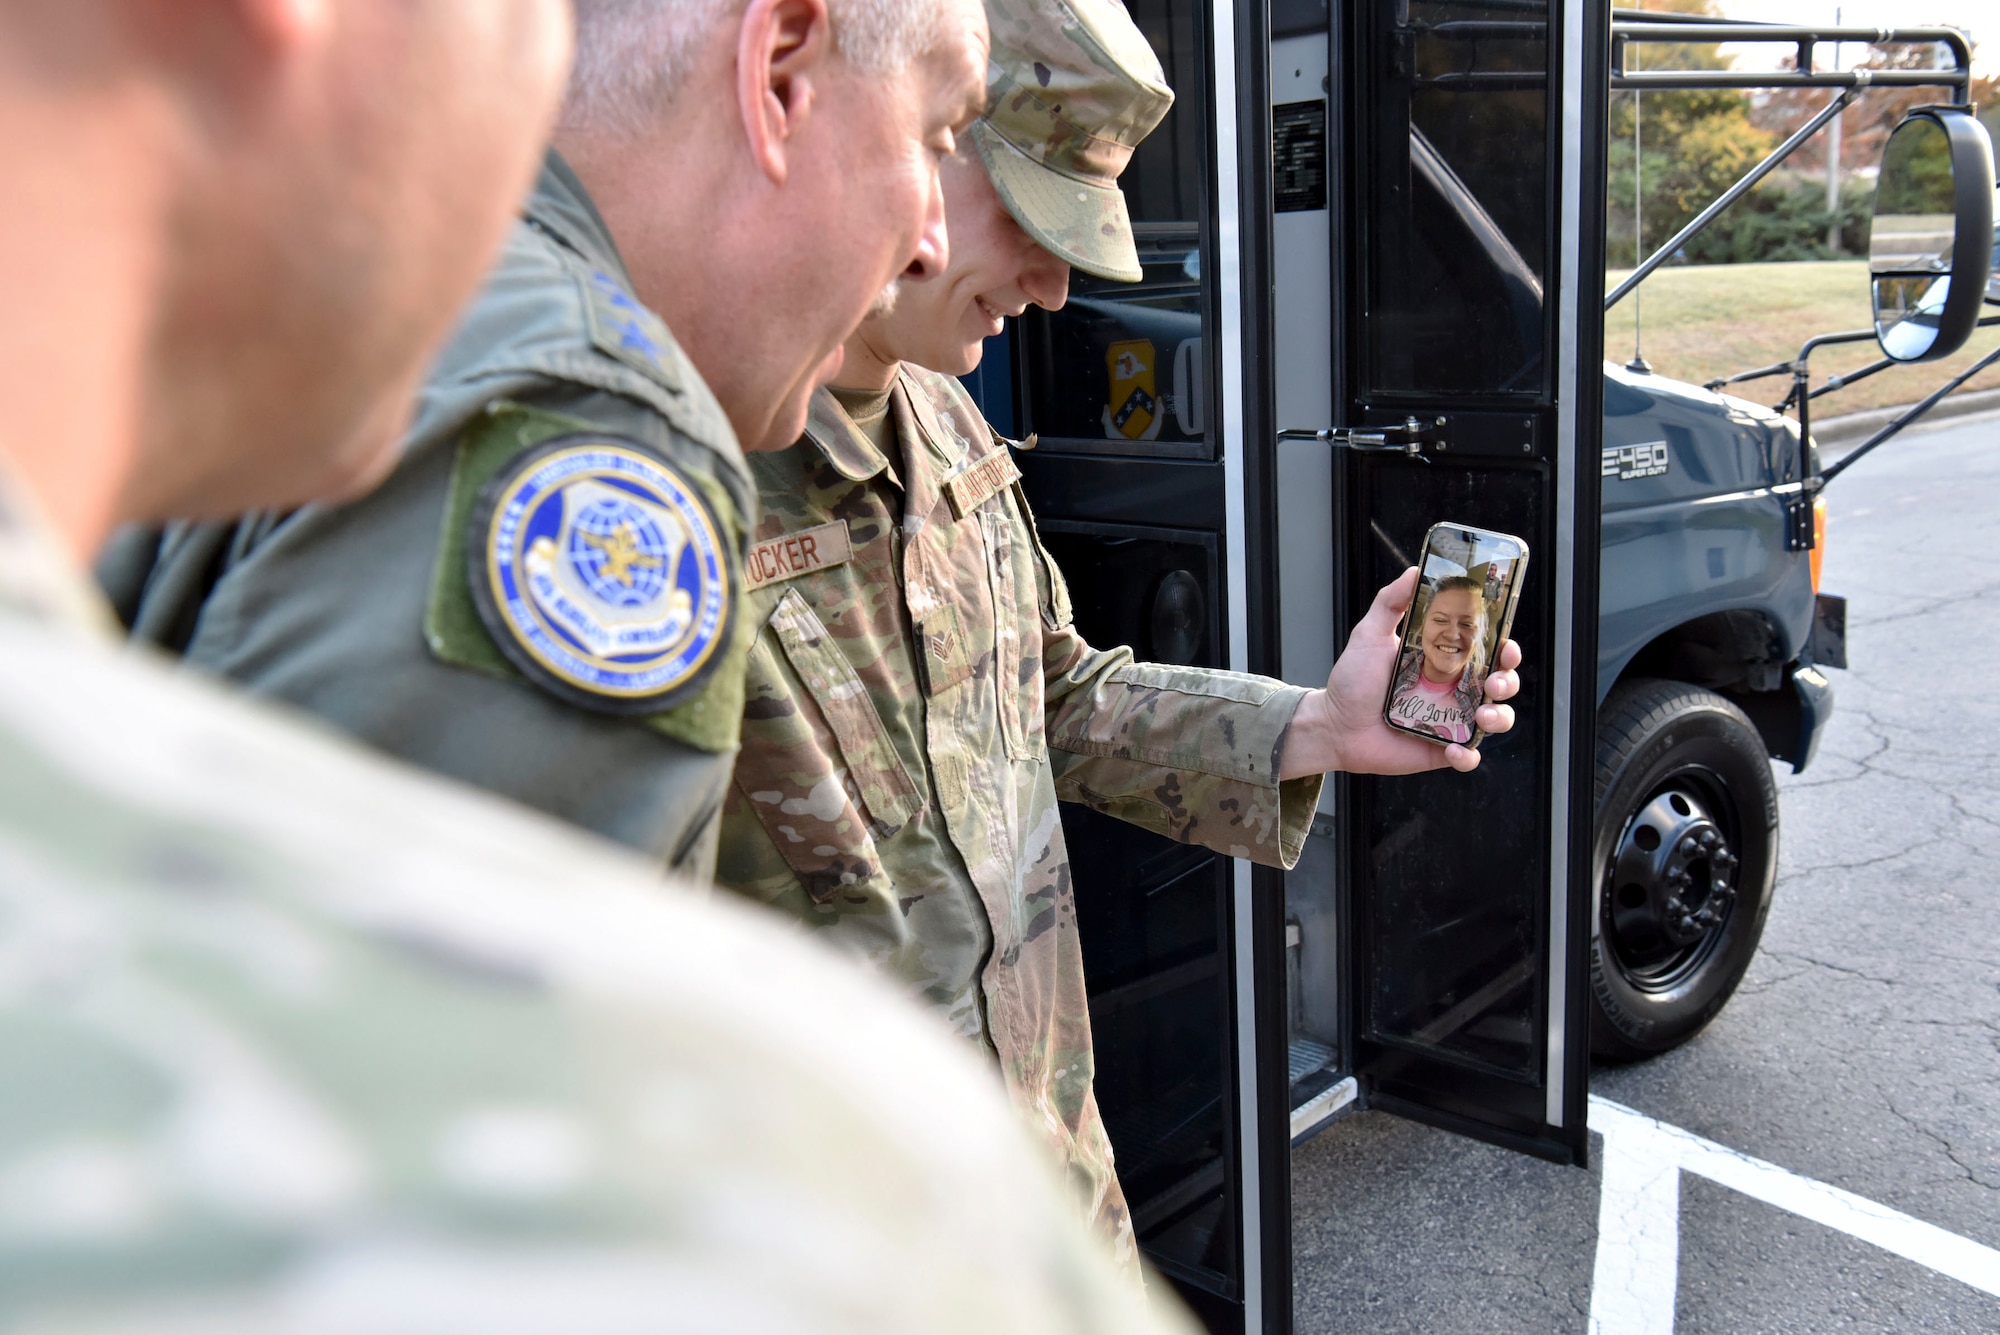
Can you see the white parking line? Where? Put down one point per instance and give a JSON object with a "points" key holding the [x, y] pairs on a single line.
{"points": [[1637, 1273]]}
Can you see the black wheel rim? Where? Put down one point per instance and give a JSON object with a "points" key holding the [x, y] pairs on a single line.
{"points": [[1670, 886]]}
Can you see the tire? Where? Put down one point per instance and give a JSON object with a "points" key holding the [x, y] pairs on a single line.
{"points": [[1686, 852]]}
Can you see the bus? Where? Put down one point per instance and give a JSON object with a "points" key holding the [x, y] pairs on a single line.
{"points": [[1372, 235]]}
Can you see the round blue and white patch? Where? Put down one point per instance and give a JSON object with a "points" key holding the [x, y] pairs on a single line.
{"points": [[601, 573]]}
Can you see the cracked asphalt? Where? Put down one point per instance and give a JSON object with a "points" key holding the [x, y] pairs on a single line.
{"points": [[1863, 1048]]}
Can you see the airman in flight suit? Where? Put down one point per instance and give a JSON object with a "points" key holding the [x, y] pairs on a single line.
{"points": [[542, 600]]}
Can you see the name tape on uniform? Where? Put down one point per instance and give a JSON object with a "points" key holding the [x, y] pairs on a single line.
{"points": [[796, 554], [972, 488]]}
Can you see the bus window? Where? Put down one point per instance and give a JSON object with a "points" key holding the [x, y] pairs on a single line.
{"points": [[1121, 368], [1457, 202]]}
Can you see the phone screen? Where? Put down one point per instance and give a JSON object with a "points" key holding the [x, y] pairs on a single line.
{"points": [[1464, 607]]}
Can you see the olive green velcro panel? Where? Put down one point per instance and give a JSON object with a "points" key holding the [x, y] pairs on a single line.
{"points": [[452, 625], [711, 721]]}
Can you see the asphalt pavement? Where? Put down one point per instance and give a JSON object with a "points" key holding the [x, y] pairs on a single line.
{"points": [[1861, 1055]]}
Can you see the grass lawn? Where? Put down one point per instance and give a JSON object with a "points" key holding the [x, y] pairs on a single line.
{"points": [[1703, 321]]}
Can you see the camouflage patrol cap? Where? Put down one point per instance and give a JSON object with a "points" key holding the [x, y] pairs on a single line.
{"points": [[1072, 87]]}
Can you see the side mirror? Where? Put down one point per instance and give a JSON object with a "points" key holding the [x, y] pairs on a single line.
{"points": [[1930, 246]]}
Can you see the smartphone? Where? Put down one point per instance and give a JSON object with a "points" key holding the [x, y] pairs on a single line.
{"points": [[1469, 580]]}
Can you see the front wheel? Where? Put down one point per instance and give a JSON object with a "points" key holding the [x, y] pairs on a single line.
{"points": [[1686, 854]]}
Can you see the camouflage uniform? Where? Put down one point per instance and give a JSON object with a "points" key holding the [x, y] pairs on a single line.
{"points": [[919, 701], [295, 1040], [373, 615]]}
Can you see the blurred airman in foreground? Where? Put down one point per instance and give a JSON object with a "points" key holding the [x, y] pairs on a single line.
{"points": [[295, 1039], [544, 598]]}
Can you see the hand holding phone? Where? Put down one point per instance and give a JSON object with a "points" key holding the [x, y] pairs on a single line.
{"points": [[1470, 579], [1344, 726]]}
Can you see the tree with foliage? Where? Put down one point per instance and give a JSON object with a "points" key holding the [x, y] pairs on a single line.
{"points": [[1694, 145], [1867, 121], [1691, 145]]}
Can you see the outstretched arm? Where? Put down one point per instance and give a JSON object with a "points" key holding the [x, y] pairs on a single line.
{"points": [[1341, 727]]}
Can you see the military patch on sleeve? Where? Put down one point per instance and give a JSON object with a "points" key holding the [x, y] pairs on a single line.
{"points": [[600, 572], [979, 483]]}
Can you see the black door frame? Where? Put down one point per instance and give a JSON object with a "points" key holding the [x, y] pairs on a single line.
{"points": [[1578, 49]]}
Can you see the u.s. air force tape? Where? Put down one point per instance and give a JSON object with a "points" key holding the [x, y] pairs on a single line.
{"points": [[601, 572]]}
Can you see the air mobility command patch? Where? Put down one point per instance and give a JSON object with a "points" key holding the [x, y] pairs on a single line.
{"points": [[601, 573]]}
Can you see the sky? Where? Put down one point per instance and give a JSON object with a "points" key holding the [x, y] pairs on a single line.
{"points": [[1979, 18]]}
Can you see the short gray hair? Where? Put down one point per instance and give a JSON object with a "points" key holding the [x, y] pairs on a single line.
{"points": [[632, 56]]}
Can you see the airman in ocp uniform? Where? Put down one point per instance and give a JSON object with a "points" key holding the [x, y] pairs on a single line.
{"points": [[295, 1039], [543, 598], [919, 697]]}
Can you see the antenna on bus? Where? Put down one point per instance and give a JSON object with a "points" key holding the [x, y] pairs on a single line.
{"points": [[1638, 365], [1833, 165]]}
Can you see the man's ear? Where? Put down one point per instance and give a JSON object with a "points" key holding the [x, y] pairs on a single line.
{"points": [[782, 50], [284, 25], [232, 51]]}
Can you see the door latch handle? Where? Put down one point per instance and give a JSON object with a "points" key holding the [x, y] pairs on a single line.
{"points": [[1407, 437]]}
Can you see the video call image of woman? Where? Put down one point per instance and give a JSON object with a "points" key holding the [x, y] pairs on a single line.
{"points": [[1438, 678]]}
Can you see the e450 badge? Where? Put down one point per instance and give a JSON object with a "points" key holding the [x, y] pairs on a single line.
{"points": [[1627, 462], [600, 572]]}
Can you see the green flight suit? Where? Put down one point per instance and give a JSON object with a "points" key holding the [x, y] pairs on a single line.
{"points": [[295, 1039], [367, 614], [919, 701]]}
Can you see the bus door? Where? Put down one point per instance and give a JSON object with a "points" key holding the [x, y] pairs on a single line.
{"points": [[1467, 240], [1423, 957]]}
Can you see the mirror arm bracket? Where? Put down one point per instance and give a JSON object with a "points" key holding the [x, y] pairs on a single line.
{"points": [[1799, 536], [1798, 507], [1632, 27], [1916, 411], [1721, 382], [1834, 382]]}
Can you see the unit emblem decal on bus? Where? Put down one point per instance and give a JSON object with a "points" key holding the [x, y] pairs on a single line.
{"points": [[1134, 410], [1627, 462]]}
